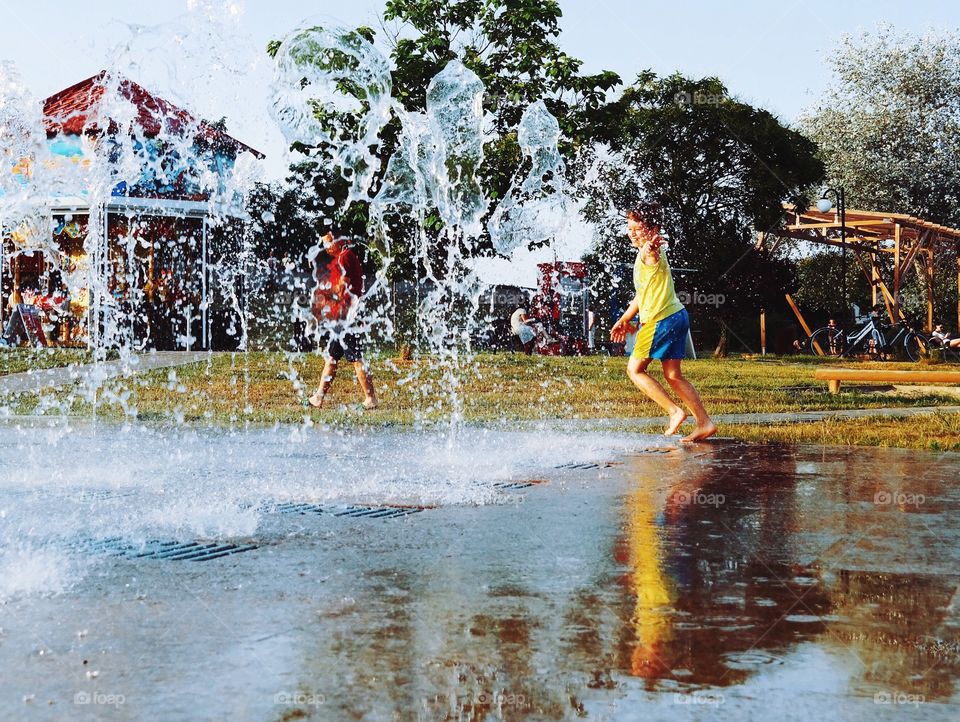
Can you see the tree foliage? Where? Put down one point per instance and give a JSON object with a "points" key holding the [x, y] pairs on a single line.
{"points": [[889, 132], [512, 46], [720, 170], [889, 125]]}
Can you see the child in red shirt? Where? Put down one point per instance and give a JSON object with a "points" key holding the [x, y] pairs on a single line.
{"points": [[335, 303]]}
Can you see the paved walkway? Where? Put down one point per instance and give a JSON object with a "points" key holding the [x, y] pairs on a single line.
{"points": [[50, 378]]}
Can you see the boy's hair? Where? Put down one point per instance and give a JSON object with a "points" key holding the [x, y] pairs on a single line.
{"points": [[648, 213]]}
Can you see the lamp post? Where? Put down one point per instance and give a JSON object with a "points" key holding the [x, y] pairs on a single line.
{"points": [[824, 205]]}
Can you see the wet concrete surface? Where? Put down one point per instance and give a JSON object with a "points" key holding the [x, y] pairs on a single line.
{"points": [[721, 581], [61, 376]]}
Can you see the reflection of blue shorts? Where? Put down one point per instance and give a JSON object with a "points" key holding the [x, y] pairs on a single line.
{"points": [[526, 334], [665, 339]]}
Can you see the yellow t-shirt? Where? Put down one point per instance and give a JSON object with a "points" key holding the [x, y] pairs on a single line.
{"points": [[656, 297]]}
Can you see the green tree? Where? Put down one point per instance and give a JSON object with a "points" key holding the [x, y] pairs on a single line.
{"points": [[512, 46], [819, 275], [889, 132], [889, 125], [720, 170]]}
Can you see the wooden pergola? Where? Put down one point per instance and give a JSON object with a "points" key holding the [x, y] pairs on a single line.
{"points": [[909, 243]]}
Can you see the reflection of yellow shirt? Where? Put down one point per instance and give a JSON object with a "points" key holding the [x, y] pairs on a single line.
{"points": [[656, 297], [651, 624]]}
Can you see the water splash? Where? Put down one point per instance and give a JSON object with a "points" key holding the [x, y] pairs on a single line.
{"points": [[455, 110], [332, 89], [537, 208]]}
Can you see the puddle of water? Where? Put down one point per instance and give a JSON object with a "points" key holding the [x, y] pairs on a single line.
{"points": [[605, 596]]}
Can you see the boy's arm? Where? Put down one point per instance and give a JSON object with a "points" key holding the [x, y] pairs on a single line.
{"points": [[650, 252]]}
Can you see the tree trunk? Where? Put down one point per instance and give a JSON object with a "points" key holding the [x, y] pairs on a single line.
{"points": [[721, 350]]}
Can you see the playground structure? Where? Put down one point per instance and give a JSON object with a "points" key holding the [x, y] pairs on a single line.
{"points": [[886, 247], [147, 240]]}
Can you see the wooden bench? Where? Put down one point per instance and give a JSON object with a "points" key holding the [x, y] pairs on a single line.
{"points": [[833, 376]]}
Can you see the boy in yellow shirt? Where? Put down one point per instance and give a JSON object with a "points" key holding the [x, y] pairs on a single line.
{"points": [[664, 325]]}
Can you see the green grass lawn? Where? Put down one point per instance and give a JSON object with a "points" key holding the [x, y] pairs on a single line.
{"points": [[268, 388], [936, 432]]}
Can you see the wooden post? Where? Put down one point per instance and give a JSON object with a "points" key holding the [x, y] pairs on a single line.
{"points": [[958, 284], [878, 285], [896, 271], [874, 277], [928, 277], [803, 324], [763, 332]]}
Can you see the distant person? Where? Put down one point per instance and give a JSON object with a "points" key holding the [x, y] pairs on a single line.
{"points": [[664, 325], [943, 337], [834, 337], [591, 325], [15, 332], [335, 305], [14, 299], [520, 324]]}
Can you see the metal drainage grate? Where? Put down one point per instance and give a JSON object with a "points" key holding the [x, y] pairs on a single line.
{"points": [[587, 465], [352, 510], [73, 494], [512, 485], [158, 549], [98, 494]]}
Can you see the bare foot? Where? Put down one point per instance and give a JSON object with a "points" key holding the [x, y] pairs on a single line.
{"points": [[370, 403], [316, 401], [703, 431], [676, 420]]}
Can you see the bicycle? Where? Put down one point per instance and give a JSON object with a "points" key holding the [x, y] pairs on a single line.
{"points": [[834, 341], [905, 339], [871, 339]]}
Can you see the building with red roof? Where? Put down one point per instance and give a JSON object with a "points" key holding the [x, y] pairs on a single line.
{"points": [[141, 190]]}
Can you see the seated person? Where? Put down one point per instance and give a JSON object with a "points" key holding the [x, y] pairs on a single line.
{"points": [[14, 333], [944, 337], [520, 324]]}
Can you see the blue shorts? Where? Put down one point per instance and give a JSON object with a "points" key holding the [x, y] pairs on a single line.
{"points": [[665, 339], [346, 345]]}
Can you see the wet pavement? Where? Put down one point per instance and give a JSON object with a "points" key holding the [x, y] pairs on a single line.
{"points": [[722, 581]]}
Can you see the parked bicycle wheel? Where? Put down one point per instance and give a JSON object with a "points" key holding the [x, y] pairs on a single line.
{"points": [[830, 340], [911, 346]]}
